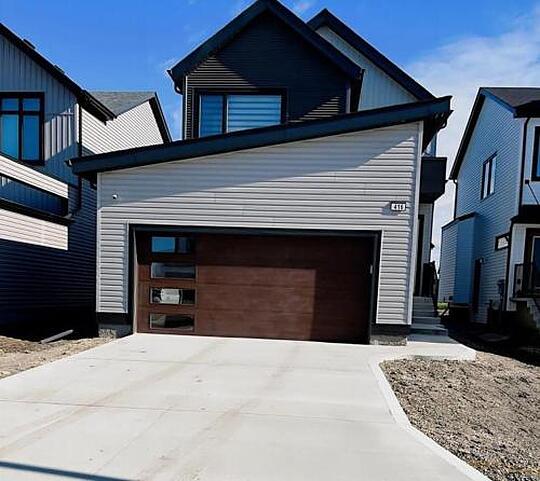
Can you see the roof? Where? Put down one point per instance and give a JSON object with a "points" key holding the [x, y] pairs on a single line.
{"points": [[434, 113], [122, 102], [234, 27], [520, 101], [87, 100], [326, 18]]}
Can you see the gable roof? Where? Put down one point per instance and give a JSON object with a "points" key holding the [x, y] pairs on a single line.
{"points": [[326, 18], [235, 26], [520, 101], [434, 113], [122, 102], [85, 98]]}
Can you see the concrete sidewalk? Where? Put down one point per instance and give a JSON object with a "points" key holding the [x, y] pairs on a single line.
{"points": [[155, 407]]}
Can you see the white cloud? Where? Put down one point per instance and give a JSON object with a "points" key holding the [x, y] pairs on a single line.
{"points": [[459, 68], [302, 6]]}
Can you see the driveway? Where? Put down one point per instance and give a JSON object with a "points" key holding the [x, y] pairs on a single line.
{"points": [[156, 407]]}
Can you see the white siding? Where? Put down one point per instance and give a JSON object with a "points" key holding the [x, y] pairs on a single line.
{"points": [[496, 132], [378, 88], [135, 128], [531, 192], [341, 182], [447, 272]]}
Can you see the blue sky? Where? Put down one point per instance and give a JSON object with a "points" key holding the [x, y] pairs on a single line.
{"points": [[452, 48], [126, 45]]}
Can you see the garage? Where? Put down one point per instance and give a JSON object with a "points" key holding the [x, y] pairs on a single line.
{"points": [[251, 284]]}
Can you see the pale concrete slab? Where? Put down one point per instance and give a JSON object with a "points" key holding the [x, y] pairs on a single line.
{"points": [[156, 407]]}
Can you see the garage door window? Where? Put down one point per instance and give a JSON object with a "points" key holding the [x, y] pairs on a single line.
{"points": [[181, 322], [172, 270], [172, 245], [160, 295]]}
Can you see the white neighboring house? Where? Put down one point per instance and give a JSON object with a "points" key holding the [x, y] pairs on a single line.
{"points": [[490, 254], [47, 214]]}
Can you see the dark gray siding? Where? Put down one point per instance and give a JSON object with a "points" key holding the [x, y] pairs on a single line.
{"points": [[268, 55]]}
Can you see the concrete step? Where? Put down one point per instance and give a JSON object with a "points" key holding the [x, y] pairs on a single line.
{"points": [[423, 313], [426, 320], [429, 329]]}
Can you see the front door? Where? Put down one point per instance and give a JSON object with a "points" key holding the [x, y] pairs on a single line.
{"points": [[532, 266]]}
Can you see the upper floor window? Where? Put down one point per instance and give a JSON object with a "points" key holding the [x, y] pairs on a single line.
{"points": [[536, 155], [488, 176], [220, 113], [20, 126]]}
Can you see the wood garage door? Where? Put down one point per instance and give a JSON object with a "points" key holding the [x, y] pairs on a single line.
{"points": [[283, 287]]}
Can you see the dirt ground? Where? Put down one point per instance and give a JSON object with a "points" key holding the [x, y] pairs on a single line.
{"points": [[17, 355], [487, 411]]}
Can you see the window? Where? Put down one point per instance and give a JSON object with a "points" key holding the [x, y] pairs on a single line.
{"points": [[182, 322], [502, 241], [160, 295], [488, 176], [170, 270], [21, 117], [172, 245], [220, 113], [536, 155]]}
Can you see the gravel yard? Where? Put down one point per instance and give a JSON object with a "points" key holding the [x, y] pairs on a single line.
{"points": [[17, 355], [487, 411]]}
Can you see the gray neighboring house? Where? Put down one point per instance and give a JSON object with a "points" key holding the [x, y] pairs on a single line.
{"points": [[47, 213], [490, 252], [299, 203]]}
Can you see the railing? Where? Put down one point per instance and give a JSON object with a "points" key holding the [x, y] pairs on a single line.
{"points": [[527, 280]]}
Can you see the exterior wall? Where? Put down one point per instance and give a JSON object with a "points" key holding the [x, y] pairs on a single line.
{"points": [[267, 54], [447, 271], [135, 128], [533, 189], [464, 258], [343, 182], [19, 73], [517, 256], [378, 89], [427, 211], [496, 131]]}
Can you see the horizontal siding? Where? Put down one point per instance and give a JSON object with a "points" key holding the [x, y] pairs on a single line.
{"points": [[269, 54], [20, 73], [135, 128], [378, 88], [447, 272], [343, 182], [531, 191], [496, 131]]}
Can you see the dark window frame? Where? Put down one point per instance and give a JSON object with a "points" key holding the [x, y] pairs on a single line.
{"points": [[282, 92], [177, 245], [181, 297], [488, 164], [498, 238], [535, 174], [20, 96]]}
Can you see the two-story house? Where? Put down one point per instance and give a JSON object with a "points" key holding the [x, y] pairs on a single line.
{"points": [[297, 206], [490, 254], [47, 213]]}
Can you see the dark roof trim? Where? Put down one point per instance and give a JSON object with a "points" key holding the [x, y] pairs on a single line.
{"points": [[434, 113], [229, 31], [459, 219], [326, 18], [521, 101], [90, 103], [155, 105]]}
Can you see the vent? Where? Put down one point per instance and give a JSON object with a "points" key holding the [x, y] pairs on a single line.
{"points": [[29, 43]]}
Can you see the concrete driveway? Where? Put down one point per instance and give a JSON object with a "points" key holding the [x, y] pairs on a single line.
{"points": [[154, 407]]}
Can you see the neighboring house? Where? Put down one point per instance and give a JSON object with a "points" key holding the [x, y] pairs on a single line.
{"points": [[47, 214], [292, 207], [490, 254]]}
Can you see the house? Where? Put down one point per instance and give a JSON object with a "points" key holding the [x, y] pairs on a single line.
{"points": [[291, 208], [47, 213], [490, 257]]}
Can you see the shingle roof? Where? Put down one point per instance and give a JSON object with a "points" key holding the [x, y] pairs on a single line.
{"points": [[516, 97], [121, 102]]}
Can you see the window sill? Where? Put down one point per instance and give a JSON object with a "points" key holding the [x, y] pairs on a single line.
{"points": [[27, 163], [35, 213]]}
